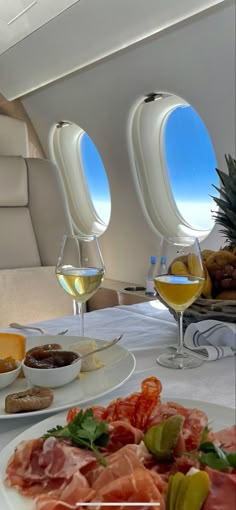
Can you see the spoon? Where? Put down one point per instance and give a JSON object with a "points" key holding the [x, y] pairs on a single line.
{"points": [[102, 347], [22, 326]]}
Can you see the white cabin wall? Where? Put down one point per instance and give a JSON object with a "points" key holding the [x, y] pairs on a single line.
{"points": [[195, 60]]}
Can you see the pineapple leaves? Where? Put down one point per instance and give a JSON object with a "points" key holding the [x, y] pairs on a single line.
{"points": [[226, 215], [228, 197]]}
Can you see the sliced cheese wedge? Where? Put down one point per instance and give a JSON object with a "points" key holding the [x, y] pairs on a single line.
{"points": [[12, 344], [91, 362]]}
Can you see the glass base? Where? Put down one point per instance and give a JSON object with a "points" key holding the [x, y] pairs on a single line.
{"points": [[179, 361]]}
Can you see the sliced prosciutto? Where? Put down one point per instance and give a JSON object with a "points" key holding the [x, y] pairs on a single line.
{"points": [[67, 496], [122, 433], [126, 479], [139, 486], [44, 465]]}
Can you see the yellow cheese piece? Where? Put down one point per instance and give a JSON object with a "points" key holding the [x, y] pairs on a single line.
{"points": [[12, 344]]}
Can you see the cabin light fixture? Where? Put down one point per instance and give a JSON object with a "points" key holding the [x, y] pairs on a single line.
{"points": [[153, 96], [63, 123]]}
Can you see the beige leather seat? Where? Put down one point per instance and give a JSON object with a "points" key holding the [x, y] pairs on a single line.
{"points": [[33, 218]]}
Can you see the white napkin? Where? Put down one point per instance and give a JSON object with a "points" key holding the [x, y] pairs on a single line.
{"points": [[211, 339]]}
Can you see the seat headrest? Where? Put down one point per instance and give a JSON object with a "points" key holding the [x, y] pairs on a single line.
{"points": [[13, 182]]}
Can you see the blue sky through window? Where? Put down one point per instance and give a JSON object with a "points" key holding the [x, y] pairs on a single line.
{"points": [[191, 164], [96, 178]]}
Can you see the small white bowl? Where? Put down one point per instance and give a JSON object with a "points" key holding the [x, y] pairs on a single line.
{"points": [[52, 377], [7, 378]]}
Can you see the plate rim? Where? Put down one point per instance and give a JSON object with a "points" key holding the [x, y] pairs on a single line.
{"points": [[55, 410]]}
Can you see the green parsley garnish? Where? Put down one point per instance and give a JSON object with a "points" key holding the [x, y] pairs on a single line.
{"points": [[211, 455], [84, 431]]}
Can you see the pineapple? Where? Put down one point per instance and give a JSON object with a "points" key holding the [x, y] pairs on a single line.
{"points": [[222, 264]]}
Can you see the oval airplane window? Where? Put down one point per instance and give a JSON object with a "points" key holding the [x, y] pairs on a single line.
{"points": [[96, 178], [174, 163], [84, 178], [191, 163]]}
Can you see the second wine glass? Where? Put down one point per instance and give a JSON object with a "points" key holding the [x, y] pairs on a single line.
{"points": [[80, 269], [179, 287]]}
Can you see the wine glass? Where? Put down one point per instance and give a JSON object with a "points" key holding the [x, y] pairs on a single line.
{"points": [[179, 286], [80, 269]]}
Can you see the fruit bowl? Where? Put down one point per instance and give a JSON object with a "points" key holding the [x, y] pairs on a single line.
{"points": [[207, 309]]}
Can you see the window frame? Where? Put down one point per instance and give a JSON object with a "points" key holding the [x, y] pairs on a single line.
{"points": [[146, 133], [65, 147]]}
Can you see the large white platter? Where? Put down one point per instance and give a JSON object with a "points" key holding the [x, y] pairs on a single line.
{"points": [[219, 417], [119, 365]]}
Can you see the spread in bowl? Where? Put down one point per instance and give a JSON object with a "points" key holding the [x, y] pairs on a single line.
{"points": [[40, 358], [49, 367], [10, 371]]}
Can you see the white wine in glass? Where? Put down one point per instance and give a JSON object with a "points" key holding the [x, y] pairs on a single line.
{"points": [[179, 287], [80, 269]]}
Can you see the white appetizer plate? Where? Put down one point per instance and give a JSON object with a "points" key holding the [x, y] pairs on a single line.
{"points": [[119, 364]]}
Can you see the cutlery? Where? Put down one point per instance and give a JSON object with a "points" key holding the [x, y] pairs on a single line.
{"points": [[102, 347], [22, 326]]}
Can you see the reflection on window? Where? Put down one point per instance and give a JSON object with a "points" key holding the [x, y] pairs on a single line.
{"points": [[96, 178], [191, 164]]}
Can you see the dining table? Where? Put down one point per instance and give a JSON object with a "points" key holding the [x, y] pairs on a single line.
{"points": [[148, 329]]}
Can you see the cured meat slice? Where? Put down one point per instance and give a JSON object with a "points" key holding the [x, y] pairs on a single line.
{"points": [[123, 462], [134, 409], [68, 496], [123, 409], [122, 433], [149, 398], [139, 486], [99, 413], [226, 438], [194, 421], [23, 464], [222, 494], [38, 466]]}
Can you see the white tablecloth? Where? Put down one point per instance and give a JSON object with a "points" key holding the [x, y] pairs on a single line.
{"points": [[148, 329]]}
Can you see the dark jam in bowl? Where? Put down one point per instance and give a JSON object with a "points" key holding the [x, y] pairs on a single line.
{"points": [[39, 358]]}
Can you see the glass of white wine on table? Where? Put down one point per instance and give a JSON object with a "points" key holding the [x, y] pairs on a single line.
{"points": [[179, 287], [80, 269]]}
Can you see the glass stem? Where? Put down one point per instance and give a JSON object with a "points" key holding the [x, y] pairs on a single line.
{"points": [[81, 316], [75, 307], [180, 348]]}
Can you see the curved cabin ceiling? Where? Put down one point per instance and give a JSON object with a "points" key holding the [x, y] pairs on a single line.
{"points": [[44, 40]]}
